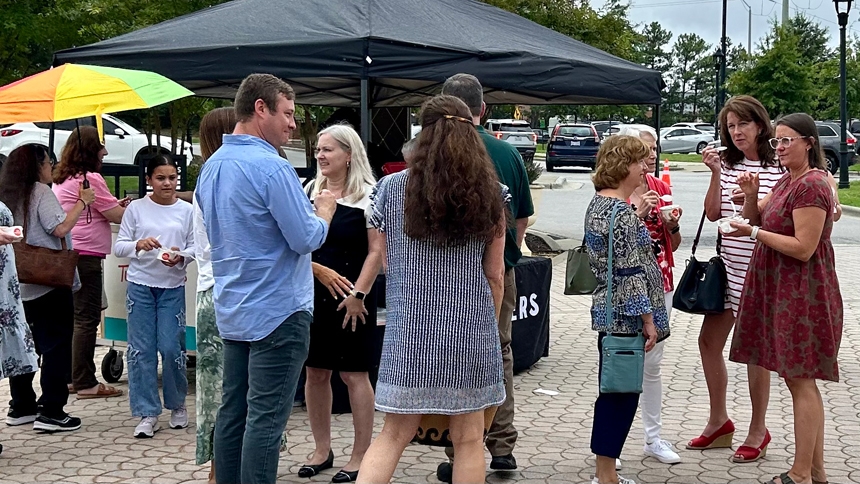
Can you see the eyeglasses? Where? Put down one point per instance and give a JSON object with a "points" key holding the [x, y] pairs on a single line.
{"points": [[785, 141]]}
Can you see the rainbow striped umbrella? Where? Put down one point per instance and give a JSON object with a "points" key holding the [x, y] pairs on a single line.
{"points": [[75, 91]]}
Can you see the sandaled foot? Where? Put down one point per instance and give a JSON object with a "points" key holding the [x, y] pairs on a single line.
{"points": [[783, 478], [99, 391]]}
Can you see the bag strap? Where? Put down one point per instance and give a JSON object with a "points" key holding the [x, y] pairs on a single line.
{"points": [[610, 267], [699, 233]]}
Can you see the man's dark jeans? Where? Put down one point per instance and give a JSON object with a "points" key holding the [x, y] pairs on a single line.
{"points": [[260, 380]]}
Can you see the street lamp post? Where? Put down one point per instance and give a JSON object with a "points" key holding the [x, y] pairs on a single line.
{"points": [[718, 63], [843, 7]]}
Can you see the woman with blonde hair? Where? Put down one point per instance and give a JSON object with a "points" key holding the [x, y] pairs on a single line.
{"points": [[344, 269], [444, 225]]}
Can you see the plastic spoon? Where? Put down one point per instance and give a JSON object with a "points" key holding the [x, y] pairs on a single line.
{"points": [[141, 252], [666, 198]]}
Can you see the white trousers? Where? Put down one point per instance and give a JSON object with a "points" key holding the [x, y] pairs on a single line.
{"points": [[651, 400]]}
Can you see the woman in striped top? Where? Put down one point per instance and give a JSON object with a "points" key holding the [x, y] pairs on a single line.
{"points": [[745, 129]]}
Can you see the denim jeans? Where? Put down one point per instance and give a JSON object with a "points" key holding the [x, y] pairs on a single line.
{"points": [[156, 325], [260, 379]]}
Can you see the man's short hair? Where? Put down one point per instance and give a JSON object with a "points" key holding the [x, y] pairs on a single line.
{"points": [[468, 88], [260, 86], [408, 147]]}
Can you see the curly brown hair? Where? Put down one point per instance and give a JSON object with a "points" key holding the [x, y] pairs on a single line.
{"points": [[749, 109], [453, 193], [614, 158], [80, 155]]}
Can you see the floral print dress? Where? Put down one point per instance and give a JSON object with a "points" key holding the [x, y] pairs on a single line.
{"points": [[17, 350]]}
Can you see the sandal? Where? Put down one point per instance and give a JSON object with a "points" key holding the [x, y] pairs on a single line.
{"points": [[103, 391], [784, 478]]}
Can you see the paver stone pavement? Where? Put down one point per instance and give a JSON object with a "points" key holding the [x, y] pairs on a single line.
{"points": [[554, 431]]}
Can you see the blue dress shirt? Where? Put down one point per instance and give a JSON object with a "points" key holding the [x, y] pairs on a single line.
{"points": [[262, 230]]}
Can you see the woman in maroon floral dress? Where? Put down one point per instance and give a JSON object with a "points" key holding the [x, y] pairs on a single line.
{"points": [[798, 331]]}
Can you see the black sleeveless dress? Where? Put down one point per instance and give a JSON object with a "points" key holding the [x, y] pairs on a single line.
{"points": [[333, 347]]}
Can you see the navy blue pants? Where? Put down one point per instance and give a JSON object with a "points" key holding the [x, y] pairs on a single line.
{"points": [[613, 416]]}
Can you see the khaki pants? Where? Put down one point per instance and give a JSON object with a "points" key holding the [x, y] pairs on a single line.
{"points": [[502, 436]]}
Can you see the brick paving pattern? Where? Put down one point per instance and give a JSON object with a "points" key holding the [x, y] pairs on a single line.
{"points": [[553, 445]]}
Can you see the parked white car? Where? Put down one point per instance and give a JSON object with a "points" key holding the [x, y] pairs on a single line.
{"points": [[684, 140], [123, 142]]}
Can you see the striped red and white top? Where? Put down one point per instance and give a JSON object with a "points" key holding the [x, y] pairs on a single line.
{"points": [[737, 251]]}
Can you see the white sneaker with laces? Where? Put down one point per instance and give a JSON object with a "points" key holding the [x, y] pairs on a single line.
{"points": [[662, 451], [179, 418], [621, 480], [147, 427]]}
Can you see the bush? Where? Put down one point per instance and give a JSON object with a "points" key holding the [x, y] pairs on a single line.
{"points": [[533, 170], [191, 173]]}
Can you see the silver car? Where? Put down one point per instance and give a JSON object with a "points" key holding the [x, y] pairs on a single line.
{"points": [[684, 140]]}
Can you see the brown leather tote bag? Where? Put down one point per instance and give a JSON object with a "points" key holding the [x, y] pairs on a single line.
{"points": [[42, 266]]}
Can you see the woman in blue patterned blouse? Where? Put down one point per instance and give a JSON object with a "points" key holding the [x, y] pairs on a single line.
{"points": [[637, 297]]}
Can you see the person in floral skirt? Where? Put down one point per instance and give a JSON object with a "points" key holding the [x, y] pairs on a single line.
{"points": [[797, 334]]}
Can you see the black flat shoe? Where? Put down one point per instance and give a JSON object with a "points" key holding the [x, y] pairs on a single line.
{"points": [[503, 463], [345, 476], [309, 470]]}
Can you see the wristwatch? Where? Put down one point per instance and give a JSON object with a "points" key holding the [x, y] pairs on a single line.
{"points": [[358, 295], [754, 232]]}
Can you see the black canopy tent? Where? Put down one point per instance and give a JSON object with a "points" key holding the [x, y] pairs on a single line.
{"points": [[375, 54]]}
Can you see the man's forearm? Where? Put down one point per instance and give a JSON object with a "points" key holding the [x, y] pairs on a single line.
{"points": [[522, 225]]}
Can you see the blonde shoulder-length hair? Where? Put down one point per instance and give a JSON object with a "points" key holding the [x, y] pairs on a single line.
{"points": [[358, 175]]}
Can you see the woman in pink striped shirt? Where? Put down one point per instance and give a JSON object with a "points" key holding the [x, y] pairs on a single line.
{"points": [[745, 129]]}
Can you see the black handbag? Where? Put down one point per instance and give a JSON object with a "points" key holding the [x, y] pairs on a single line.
{"points": [[702, 288]]}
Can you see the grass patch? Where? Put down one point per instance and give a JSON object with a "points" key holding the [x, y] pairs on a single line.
{"points": [[541, 148], [681, 157], [850, 196]]}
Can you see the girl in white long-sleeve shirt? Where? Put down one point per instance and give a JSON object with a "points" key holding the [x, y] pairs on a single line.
{"points": [[156, 297]]}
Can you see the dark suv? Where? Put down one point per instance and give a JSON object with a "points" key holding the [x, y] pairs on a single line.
{"points": [[572, 145], [828, 133]]}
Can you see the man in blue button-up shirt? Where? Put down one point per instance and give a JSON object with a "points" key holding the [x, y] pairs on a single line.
{"points": [[262, 230]]}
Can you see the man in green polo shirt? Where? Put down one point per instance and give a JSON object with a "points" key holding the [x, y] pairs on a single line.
{"points": [[502, 436]]}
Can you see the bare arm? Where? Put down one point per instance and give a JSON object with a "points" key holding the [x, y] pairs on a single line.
{"points": [[837, 212], [184, 196], [713, 198], [114, 215], [72, 217], [375, 254], [808, 224], [494, 267], [522, 225]]}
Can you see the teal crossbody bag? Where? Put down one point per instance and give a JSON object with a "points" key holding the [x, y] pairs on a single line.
{"points": [[623, 356]]}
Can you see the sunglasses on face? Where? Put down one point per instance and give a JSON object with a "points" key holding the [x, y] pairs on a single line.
{"points": [[785, 141]]}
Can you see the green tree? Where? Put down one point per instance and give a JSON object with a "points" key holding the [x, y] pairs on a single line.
{"points": [[813, 40], [777, 76], [651, 47], [689, 53]]}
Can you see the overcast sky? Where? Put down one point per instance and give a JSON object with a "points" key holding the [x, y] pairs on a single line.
{"points": [[704, 17]]}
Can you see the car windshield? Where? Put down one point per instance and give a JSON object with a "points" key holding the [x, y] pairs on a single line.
{"points": [[705, 127], [515, 127], [581, 131]]}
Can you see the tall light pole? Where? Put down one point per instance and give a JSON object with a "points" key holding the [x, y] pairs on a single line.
{"points": [[721, 87], [718, 62], [843, 7]]}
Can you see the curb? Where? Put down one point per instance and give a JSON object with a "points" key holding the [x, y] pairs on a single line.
{"points": [[849, 210]]}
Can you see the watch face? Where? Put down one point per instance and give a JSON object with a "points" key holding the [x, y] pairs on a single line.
{"points": [[359, 295]]}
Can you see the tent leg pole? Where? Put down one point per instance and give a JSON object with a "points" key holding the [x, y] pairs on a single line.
{"points": [[657, 128], [365, 113]]}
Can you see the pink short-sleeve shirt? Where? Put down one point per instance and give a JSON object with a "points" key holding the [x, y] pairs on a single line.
{"points": [[93, 238]]}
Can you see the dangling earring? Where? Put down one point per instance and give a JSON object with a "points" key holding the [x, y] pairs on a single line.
{"points": [[347, 165]]}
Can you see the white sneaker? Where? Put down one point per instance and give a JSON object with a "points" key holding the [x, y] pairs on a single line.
{"points": [[147, 427], [621, 480], [662, 451], [617, 464], [179, 418]]}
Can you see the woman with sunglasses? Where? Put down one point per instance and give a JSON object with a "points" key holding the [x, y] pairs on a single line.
{"points": [[745, 129], [797, 334], [48, 310]]}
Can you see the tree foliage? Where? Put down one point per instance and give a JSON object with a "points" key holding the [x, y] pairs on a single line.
{"points": [[778, 76]]}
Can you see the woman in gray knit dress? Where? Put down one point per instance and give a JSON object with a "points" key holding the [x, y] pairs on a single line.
{"points": [[443, 221]]}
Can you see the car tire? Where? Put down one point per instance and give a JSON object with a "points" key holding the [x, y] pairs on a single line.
{"points": [[832, 163], [550, 166], [700, 147]]}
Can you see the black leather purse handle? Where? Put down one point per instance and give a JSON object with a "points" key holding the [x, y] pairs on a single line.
{"points": [[699, 235]]}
